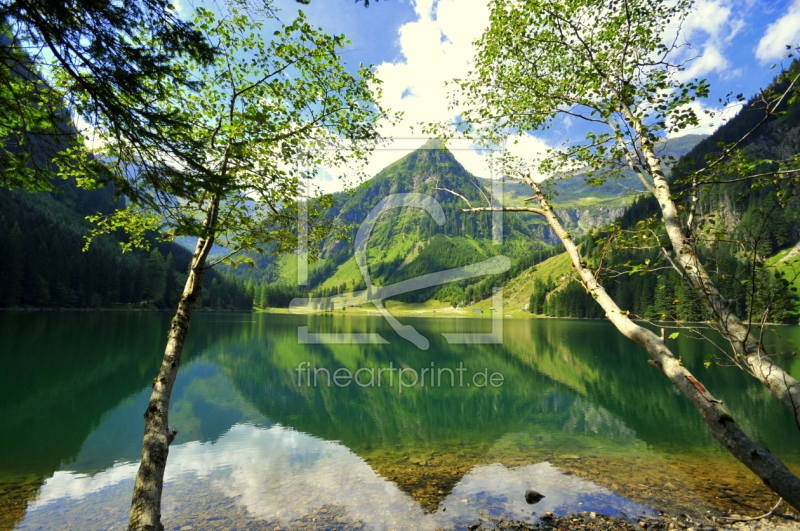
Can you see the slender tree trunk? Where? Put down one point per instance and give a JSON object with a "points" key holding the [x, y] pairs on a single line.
{"points": [[745, 346], [146, 503], [723, 427]]}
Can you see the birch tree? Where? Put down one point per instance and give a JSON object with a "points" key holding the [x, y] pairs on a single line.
{"points": [[721, 424], [232, 178], [617, 68]]}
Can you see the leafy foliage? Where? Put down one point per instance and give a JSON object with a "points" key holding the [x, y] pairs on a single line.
{"points": [[107, 61], [234, 176]]}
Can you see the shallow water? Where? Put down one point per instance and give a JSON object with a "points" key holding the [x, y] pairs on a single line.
{"points": [[579, 416]]}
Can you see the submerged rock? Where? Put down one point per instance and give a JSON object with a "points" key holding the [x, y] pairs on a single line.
{"points": [[531, 496]]}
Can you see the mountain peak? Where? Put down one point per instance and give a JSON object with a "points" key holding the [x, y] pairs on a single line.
{"points": [[433, 143]]}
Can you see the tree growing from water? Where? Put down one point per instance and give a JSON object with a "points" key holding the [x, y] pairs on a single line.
{"points": [[617, 67], [264, 112]]}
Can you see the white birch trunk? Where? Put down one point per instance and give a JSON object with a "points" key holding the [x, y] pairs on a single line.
{"points": [[145, 512], [723, 427], [778, 381]]}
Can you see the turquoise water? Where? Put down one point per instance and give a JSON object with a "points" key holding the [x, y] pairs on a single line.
{"points": [[569, 408]]}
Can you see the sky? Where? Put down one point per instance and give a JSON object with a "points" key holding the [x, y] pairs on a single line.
{"points": [[418, 45]]}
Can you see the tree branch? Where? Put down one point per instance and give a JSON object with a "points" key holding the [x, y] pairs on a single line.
{"points": [[504, 209]]}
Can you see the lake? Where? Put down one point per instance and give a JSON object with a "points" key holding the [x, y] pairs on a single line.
{"points": [[276, 434]]}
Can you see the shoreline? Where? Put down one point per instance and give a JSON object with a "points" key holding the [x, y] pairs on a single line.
{"points": [[433, 313], [663, 522], [36, 309]]}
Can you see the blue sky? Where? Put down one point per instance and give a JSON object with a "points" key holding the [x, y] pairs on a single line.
{"points": [[417, 45]]}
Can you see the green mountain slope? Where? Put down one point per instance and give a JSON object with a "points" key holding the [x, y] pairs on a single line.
{"points": [[408, 243]]}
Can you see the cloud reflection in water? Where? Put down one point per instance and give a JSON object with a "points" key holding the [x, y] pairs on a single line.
{"points": [[280, 475]]}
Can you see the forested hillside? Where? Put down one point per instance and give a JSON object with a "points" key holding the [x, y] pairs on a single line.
{"points": [[42, 236], [746, 215], [43, 217], [405, 242]]}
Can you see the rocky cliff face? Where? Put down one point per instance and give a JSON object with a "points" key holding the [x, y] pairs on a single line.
{"points": [[581, 220]]}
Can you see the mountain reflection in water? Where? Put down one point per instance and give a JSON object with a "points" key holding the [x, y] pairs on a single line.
{"points": [[580, 417]]}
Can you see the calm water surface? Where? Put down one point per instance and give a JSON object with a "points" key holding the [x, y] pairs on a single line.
{"points": [[575, 412]]}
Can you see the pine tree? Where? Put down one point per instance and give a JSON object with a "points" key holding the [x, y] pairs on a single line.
{"points": [[156, 273], [171, 285], [14, 266]]}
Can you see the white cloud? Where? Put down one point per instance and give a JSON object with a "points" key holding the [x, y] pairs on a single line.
{"points": [[91, 138], [712, 18], [435, 49], [477, 162], [709, 60], [709, 29], [438, 47], [785, 30], [531, 150]]}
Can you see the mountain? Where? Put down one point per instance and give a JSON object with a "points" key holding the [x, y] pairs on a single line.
{"points": [[582, 207], [43, 223], [44, 231], [407, 243]]}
